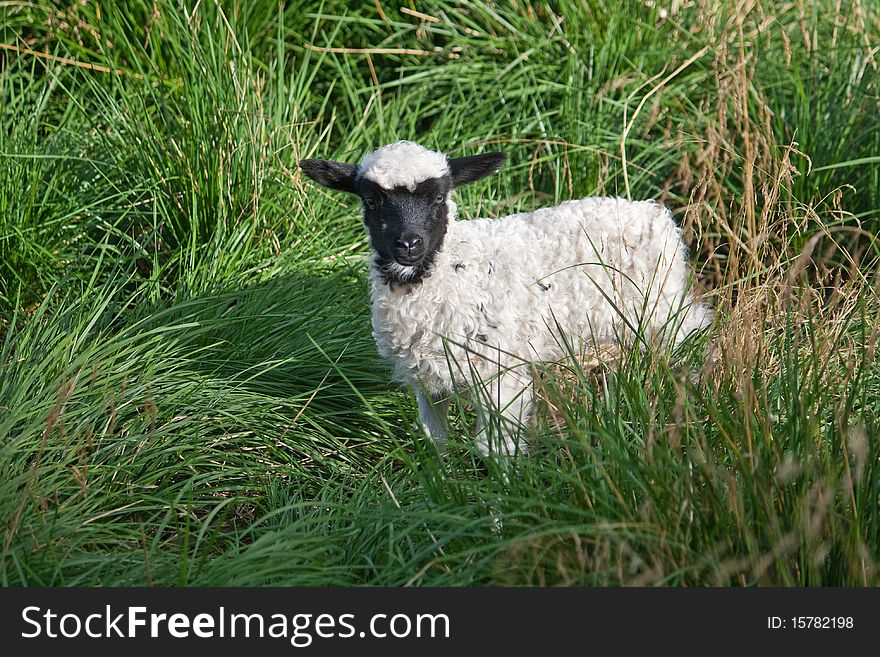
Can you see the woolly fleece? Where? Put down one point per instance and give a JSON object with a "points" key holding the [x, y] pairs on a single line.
{"points": [[501, 292], [402, 164]]}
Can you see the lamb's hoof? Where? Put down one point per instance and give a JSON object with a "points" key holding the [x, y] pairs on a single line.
{"points": [[496, 525]]}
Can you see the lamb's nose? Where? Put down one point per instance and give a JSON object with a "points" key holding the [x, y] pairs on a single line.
{"points": [[410, 243]]}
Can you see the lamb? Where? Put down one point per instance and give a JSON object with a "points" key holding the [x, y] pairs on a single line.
{"points": [[464, 305]]}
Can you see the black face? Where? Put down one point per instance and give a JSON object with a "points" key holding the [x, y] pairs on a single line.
{"points": [[406, 227]]}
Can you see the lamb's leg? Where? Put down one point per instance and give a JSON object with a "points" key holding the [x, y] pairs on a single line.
{"points": [[432, 417], [511, 393]]}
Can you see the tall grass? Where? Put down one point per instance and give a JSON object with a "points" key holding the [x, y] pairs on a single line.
{"points": [[189, 393]]}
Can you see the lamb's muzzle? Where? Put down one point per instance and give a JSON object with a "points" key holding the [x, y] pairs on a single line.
{"points": [[464, 305]]}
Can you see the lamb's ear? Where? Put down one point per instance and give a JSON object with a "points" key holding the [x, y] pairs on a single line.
{"points": [[468, 169], [336, 175]]}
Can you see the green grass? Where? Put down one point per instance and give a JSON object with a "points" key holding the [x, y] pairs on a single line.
{"points": [[189, 392]]}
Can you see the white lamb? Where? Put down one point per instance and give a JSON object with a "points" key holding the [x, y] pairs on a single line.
{"points": [[463, 305]]}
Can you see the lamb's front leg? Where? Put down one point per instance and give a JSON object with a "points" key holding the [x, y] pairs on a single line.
{"points": [[511, 394], [433, 417]]}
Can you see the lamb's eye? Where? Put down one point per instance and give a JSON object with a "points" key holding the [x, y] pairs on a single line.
{"points": [[439, 198], [370, 204]]}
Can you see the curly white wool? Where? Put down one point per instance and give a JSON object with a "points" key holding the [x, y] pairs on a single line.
{"points": [[508, 291], [402, 164]]}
